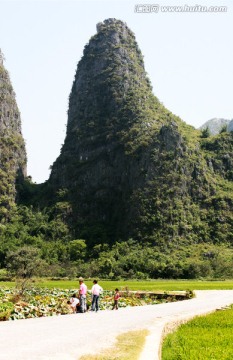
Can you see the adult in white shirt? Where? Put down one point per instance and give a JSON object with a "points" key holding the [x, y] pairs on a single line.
{"points": [[96, 290]]}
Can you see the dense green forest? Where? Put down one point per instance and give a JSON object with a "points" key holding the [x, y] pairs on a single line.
{"points": [[135, 191], [65, 256]]}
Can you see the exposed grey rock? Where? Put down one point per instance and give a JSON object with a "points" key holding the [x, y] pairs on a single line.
{"points": [[215, 125], [230, 126]]}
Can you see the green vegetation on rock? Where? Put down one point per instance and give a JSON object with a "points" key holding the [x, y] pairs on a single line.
{"points": [[134, 193], [12, 147]]}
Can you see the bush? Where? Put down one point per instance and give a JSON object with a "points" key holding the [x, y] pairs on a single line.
{"points": [[4, 276], [6, 309]]}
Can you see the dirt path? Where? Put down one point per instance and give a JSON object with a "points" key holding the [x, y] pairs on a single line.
{"points": [[68, 337]]}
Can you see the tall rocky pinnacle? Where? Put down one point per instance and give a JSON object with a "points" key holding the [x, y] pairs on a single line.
{"points": [[12, 147], [128, 166]]}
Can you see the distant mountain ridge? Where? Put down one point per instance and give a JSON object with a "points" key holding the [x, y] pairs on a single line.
{"points": [[230, 126], [215, 125]]}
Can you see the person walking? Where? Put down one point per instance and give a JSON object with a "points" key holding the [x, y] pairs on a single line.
{"points": [[82, 295], [95, 293]]}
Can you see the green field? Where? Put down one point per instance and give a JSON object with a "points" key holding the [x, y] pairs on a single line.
{"points": [[149, 285], [204, 338]]}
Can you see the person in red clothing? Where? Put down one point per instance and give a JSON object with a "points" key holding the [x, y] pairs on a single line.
{"points": [[116, 298]]}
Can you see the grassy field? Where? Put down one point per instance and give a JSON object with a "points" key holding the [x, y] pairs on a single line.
{"points": [[204, 338], [149, 285]]}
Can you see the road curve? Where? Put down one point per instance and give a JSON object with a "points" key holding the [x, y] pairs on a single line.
{"points": [[70, 336]]}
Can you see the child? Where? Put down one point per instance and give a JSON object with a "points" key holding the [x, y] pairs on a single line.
{"points": [[74, 303], [116, 298]]}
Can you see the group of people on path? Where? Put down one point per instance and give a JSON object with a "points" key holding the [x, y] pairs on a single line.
{"points": [[79, 304]]}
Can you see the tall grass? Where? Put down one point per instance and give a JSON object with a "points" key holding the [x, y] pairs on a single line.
{"points": [[207, 337]]}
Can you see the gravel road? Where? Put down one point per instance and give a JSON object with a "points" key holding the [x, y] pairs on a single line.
{"points": [[68, 337]]}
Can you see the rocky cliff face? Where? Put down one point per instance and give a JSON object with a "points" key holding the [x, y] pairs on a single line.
{"points": [[128, 166], [110, 98], [12, 147]]}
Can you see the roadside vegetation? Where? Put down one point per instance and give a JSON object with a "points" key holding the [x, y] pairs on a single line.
{"points": [[46, 297], [39, 302], [128, 347], [203, 338]]}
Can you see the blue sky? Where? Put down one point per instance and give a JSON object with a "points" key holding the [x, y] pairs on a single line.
{"points": [[188, 57]]}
